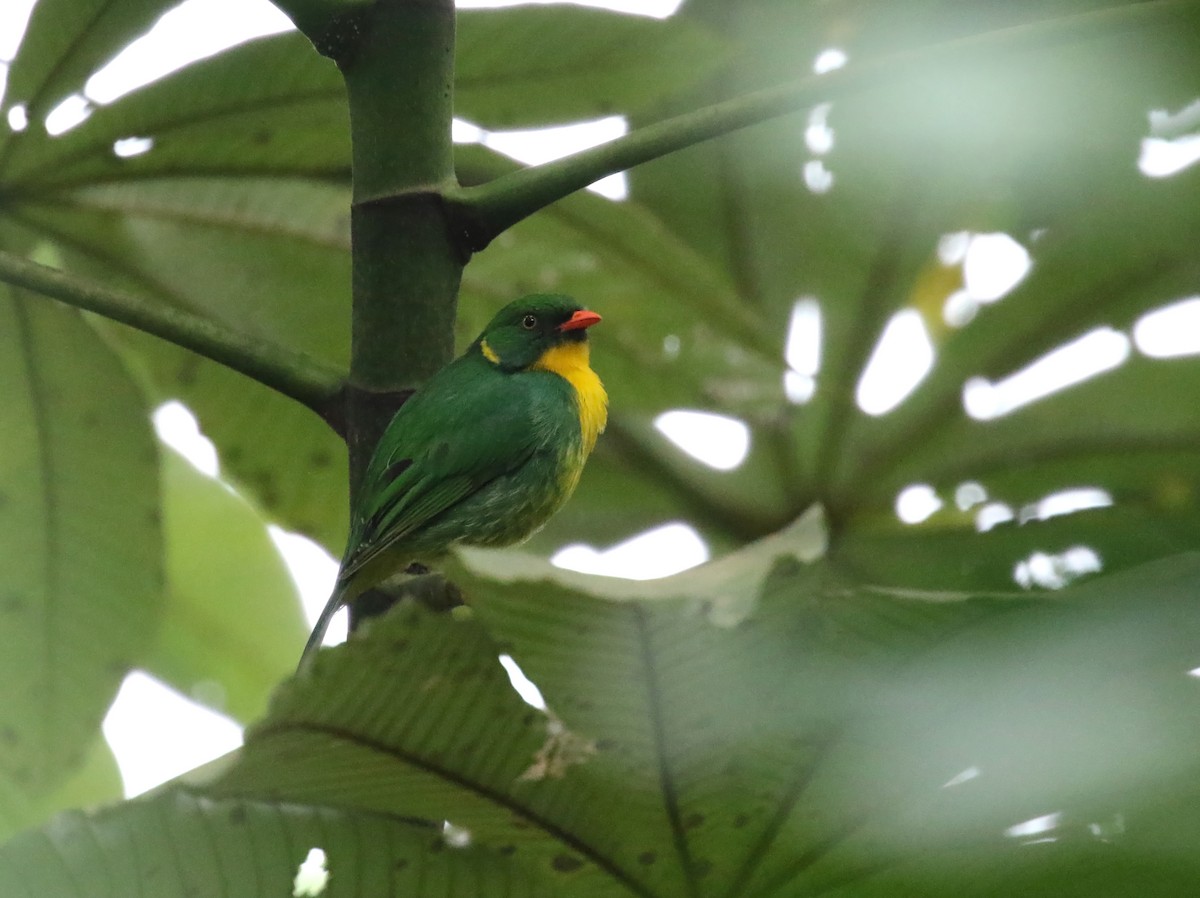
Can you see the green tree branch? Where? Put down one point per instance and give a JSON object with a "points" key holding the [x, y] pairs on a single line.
{"points": [[487, 210], [333, 26], [406, 266], [293, 374]]}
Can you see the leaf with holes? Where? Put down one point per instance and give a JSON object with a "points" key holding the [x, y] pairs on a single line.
{"points": [[760, 728], [189, 845]]}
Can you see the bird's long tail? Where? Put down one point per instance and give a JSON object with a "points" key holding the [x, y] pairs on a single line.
{"points": [[341, 595]]}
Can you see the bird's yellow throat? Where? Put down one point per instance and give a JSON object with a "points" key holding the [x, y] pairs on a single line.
{"points": [[570, 361]]}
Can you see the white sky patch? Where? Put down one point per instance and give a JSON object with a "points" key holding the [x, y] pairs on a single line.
{"points": [[992, 515], [829, 59], [993, 265], [899, 362], [817, 177], [1054, 571], [158, 734], [18, 119], [916, 503], [1194, 672], [721, 442], [462, 131], [660, 552], [802, 350], [1169, 331], [1162, 158], [538, 145], [193, 30], [312, 876], [1173, 143], [818, 135], [798, 388], [1064, 502], [314, 571], [1035, 826], [14, 16], [128, 147], [964, 776], [1072, 363], [655, 9], [524, 686], [72, 111], [968, 494], [952, 248], [178, 428]]}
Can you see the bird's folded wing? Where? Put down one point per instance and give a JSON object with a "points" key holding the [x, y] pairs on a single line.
{"points": [[415, 475]]}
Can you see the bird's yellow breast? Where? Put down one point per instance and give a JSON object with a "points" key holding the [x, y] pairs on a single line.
{"points": [[570, 361]]}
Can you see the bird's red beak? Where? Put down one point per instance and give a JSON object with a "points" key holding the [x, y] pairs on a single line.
{"points": [[580, 320]]}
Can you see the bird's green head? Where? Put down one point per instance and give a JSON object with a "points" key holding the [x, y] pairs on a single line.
{"points": [[524, 331]]}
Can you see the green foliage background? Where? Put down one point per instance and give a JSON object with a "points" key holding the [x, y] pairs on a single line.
{"points": [[792, 719]]}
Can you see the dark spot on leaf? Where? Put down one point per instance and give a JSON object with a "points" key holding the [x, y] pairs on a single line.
{"points": [[237, 815], [188, 372], [529, 719], [741, 820], [321, 459], [646, 858], [233, 454], [702, 867], [154, 517], [584, 705], [692, 821], [10, 736], [508, 850], [606, 744], [91, 420], [13, 604], [438, 844], [401, 863], [399, 645], [518, 823], [262, 137], [564, 863]]}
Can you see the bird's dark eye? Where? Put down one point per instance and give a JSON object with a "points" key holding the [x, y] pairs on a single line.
{"points": [[529, 322]]}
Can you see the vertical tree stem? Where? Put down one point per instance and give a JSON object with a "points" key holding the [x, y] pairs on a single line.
{"points": [[399, 78]]}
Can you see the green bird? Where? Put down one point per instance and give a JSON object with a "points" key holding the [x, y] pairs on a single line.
{"points": [[483, 454]]}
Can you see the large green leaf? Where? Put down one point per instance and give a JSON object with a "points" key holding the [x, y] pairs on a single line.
{"points": [[80, 536], [284, 268], [537, 65], [240, 213], [64, 42], [277, 453], [233, 623], [758, 727], [95, 782], [1003, 141], [190, 845], [216, 116]]}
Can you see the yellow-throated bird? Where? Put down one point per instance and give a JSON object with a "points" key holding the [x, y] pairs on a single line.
{"points": [[488, 449]]}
